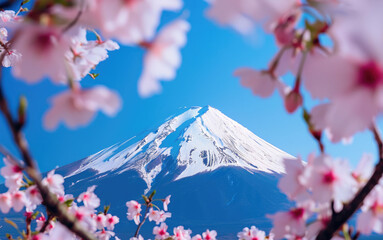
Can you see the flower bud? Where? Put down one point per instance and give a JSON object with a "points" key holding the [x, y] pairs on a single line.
{"points": [[293, 100]]}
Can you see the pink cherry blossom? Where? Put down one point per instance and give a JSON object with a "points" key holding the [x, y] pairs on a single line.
{"points": [[40, 221], [292, 183], [197, 237], [166, 202], [209, 235], [89, 198], [364, 169], [129, 22], [12, 173], [331, 180], [77, 107], [181, 234], [19, 200], [11, 56], [291, 223], [85, 55], [134, 211], [163, 57], [161, 231], [111, 221], [104, 234], [241, 14], [7, 15], [353, 80], [251, 234], [85, 216], [262, 83], [371, 217], [60, 232], [100, 220], [153, 215], [43, 49], [5, 202], [54, 182], [34, 197]]}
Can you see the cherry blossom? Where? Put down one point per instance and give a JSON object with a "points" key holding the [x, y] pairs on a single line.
{"points": [[19, 200], [241, 15], [77, 107], [251, 234], [12, 173], [331, 179], [197, 237], [181, 234], [43, 49], [40, 221], [166, 202], [371, 217], [163, 57], [293, 182], [129, 22], [364, 169], [291, 223], [111, 221], [54, 182], [5, 202], [104, 234], [134, 211], [161, 231], [100, 220], [85, 55], [209, 235], [89, 198], [60, 232], [34, 197], [262, 83]]}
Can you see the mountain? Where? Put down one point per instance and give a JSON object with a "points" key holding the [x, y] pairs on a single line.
{"points": [[220, 175]]}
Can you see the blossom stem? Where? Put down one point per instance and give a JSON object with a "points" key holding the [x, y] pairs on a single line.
{"points": [[143, 220], [338, 219], [46, 223]]}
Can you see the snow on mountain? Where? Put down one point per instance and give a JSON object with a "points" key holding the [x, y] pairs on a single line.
{"points": [[199, 140]]}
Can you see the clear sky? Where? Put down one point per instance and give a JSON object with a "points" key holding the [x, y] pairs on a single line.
{"points": [[205, 78]]}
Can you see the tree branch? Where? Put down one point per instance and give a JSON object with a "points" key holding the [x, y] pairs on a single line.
{"points": [[348, 210], [49, 200]]}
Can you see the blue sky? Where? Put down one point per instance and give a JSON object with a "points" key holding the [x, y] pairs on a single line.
{"points": [[205, 78]]}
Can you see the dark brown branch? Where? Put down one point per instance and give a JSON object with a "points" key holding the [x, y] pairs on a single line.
{"points": [[348, 210], [143, 220], [47, 222]]}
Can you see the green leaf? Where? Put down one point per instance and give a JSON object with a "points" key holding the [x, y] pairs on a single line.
{"points": [[24, 2], [152, 195], [69, 202], [106, 209]]}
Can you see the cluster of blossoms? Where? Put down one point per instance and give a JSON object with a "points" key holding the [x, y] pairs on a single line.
{"points": [[23, 194], [320, 188], [63, 41]]}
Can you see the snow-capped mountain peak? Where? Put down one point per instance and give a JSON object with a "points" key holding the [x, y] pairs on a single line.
{"points": [[196, 141]]}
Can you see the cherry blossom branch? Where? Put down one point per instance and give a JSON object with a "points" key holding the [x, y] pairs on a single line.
{"points": [[75, 20], [143, 220], [49, 200], [46, 223], [349, 209]]}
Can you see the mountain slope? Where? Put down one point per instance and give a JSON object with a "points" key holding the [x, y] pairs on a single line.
{"points": [[221, 176], [199, 140]]}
